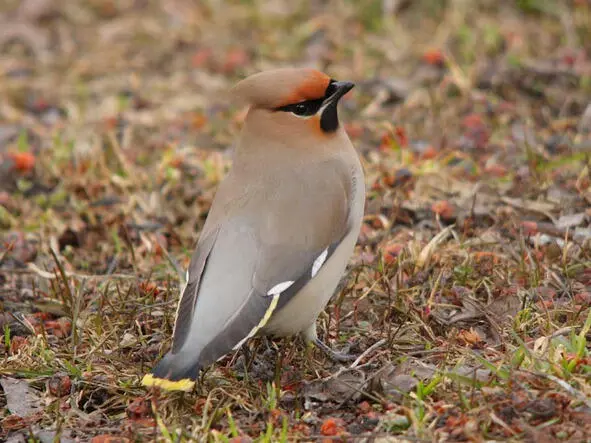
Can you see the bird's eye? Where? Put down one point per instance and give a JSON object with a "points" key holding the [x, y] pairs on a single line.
{"points": [[301, 109]]}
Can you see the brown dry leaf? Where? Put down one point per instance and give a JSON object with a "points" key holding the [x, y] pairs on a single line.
{"points": [[23, 161], [570, 221], [444, 209], [391, 252], [59, 385], [332, 426], [536, 206], [469, 337], [505, 308], [341, 387], [478, 374], [395, 381], [21, 399]]}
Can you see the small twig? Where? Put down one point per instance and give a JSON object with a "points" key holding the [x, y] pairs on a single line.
{"points": [[368, 351], [75, 314], [427, 251], [32, 268], [69, 302], [528, 206]]}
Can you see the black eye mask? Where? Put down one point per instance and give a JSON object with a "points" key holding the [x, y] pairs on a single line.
{"points": [[304, 109], [329, 121]]}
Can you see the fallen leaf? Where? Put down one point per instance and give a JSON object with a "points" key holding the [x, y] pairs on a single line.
{"points": [[401, 136], [139, 408], [235, 58], [429, 153], [473, 121], [61, 327], [364, 407], [332, 426], [392, 251], [23, 161], [59, 385], [398, 385], [14, 423], [395, 381], [17, 343], [529, 228], [127, 340], [469, 337], [444, 209], [21, 400], [340, 387], [480, 375], [570, 221], [434, 57]]}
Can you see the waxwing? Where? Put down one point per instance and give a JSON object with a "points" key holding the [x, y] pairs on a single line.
{"points": [[281, 228]]}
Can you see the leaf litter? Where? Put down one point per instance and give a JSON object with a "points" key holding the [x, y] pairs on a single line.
{"points": [[467, 299]]}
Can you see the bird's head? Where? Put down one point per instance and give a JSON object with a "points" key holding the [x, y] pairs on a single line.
{"points": [[293, 100]]}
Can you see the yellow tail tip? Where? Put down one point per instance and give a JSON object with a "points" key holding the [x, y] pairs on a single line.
{"points": [[185, 384]]}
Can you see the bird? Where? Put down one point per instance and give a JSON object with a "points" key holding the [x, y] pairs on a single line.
{"points": [[280, 230]]}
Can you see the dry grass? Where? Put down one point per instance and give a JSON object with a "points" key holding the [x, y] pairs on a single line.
{"points": [[468, 298]]}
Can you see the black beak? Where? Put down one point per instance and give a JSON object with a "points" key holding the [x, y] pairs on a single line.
{"points": [[329, 121], [337, 90]]}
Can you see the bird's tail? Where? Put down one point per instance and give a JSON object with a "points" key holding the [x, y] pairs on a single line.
{"points": [[175, 372]]}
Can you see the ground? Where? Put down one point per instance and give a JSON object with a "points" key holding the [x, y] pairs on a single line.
{"points": [[467, 299]]}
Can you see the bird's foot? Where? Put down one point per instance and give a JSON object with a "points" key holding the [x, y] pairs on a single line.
{"points": [[332, 354]]}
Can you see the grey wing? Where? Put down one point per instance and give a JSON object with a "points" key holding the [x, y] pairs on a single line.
{"points": [[239, 286], [218, 292], [293, 270], [186, 306]]}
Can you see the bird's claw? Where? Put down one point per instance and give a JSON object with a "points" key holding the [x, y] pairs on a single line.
{"points": [[332, 354]]}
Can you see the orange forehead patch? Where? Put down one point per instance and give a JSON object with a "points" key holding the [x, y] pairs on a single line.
{"points": [[311, 88]]}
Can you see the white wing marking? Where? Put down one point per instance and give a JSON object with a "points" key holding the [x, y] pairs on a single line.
{"points": [[319, 262], [276, 291], [280, 287]]}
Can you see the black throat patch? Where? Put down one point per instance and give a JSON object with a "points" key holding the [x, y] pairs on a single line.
{"points": [[329, 120]]}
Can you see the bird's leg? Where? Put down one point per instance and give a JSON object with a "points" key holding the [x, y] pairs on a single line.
{"points": [[340, 357], [248, 357], [310, 336], [268, 344]]}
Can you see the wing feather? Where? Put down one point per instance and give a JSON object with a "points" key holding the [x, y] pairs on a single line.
{"points": [[186, 306]]}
